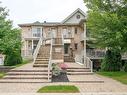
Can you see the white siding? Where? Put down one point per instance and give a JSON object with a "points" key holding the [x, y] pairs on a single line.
{"points": [[74, 19]]}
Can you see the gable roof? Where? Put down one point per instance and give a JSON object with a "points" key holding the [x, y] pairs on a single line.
{"points": [[77, 10], [37, 23]]}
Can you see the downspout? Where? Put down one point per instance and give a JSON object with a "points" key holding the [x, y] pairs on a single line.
{"points": [[85, 43]]}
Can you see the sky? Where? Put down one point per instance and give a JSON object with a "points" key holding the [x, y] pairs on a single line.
{"points": [[29, 11]]}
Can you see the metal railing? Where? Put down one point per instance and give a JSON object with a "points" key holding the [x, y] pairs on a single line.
{"points": [[36, 35], [67, 36], [27, 53], [79, 58], [95, 53], [37, 49], [89, 64], [50, 59]]}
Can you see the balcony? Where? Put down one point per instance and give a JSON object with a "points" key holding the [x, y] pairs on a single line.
{"points": [[68, 36], [31, 35], [99, 54], [36, 35], [95, 53]]}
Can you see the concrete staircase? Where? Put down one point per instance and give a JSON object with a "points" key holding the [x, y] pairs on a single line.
{"points": [[78, 71], [38, 73], [26, 76], [42, 57], [79, 74]]}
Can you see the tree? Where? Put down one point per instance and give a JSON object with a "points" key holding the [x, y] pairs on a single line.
{"points": [[107, 21], [10, 39], [112, 61]]}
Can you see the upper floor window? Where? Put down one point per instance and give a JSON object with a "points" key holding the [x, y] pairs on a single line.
{"points": [[76, 30], [52, 33], [36, 32]]}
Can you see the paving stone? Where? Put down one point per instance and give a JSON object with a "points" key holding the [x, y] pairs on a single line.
{"points": [[109, 85]]}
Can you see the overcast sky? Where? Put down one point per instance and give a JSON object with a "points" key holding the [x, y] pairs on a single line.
{"points": [[27, 11]]}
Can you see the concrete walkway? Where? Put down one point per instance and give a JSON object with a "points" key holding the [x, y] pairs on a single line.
{"points": [[64, 94], [109, 85]]}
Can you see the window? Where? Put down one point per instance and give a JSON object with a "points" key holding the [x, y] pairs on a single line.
{"points": [[53, 30], [78, 16], [38, 29], [36, 32], [76, 30], [76, 46], [65, 32]]}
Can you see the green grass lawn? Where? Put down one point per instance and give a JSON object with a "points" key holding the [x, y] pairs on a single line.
{"points": [[119, 76], [59, 89], [2, 74]]}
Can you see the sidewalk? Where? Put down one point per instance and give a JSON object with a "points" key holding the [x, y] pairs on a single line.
{"points": [[63, 94]]}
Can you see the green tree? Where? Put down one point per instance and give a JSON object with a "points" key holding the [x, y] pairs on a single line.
{"points": [[10, 39], [107, 21]]}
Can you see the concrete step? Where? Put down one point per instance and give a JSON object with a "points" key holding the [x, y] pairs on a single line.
{"points": [[28, 73], [38, 57], [42, 59], [79, 73], [45, 70], [40, 65], [77, 70], [43, 55], [41, 62], [24, 81], [26, 77]]}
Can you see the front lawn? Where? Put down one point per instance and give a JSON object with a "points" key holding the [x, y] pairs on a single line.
{"points": [[119, 76], [2, 74], [59, 89]]}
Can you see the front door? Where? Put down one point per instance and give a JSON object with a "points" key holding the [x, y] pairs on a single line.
{"points": [[66, 48]]}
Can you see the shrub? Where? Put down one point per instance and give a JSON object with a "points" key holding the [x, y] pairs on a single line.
{"points": [[56, 70], [13, 59], [125, 67], [112, 61]]}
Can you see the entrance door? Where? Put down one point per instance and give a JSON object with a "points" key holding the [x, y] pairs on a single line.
{"points": [[66, 48]]}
